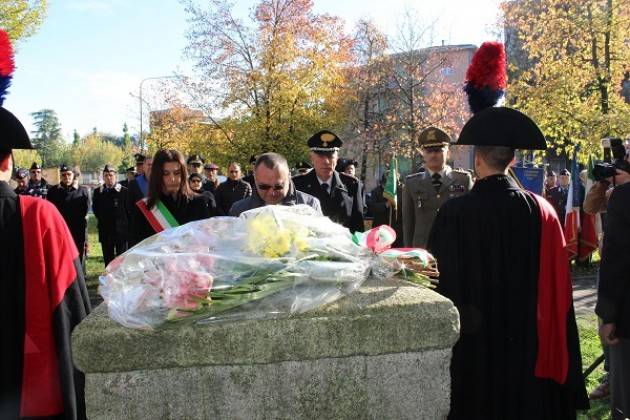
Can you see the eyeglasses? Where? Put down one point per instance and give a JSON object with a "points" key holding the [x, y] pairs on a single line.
{"points": [[234, 172], [266, 187], [196, 165], [36, 172]]}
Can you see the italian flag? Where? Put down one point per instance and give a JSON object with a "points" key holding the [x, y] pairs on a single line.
{"points": [[159, 217]]}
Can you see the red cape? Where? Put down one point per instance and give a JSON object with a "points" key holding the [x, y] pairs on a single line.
{"points": [[554, 298], [50, 252]]}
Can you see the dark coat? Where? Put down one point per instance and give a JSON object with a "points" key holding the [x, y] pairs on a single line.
{"points": [[344, 205], [39, 190], [613, 296], [183, 209], [111, 208], [558, 198], [487, 246], [210, 186], [293, 197], [229, 192], [73, 204]]}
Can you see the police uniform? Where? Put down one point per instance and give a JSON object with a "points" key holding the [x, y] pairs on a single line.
{"points": [[111, 209], [423, 195], [558, 196], [343, 203], [39, 189], [73, 203]]}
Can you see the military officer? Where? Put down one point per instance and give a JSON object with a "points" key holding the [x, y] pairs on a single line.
{"points": [[111, 208], [338, 193], [21, 176], [37, 186], [73, 203], [130, 176], [558, 195], [426, 191], [195, 164]]}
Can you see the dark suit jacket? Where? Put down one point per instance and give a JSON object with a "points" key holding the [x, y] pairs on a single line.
{"points": [[344, 205], [558, 199]]}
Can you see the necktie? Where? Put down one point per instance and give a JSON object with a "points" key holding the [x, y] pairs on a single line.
{"points": [[325, 187], [436, 181]]}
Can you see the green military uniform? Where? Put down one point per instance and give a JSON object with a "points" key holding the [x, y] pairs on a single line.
{"points": [[421, 201]]}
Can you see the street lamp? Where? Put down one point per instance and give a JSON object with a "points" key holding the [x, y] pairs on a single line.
{"points": [[141, 101]]}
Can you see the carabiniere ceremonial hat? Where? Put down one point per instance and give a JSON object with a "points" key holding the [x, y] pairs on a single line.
{"points": [[324, 142]]}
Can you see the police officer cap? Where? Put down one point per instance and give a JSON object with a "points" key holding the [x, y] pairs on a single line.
{"points": [[21, 173], [303, 165], [565, 172], [109, 168], [342, 164], [324, 142], [65, 168], [194, 159], [502, 126], [434, 137], [140, 158], [35, 165]]}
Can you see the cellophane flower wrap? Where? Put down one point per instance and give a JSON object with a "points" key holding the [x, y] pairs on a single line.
{"points": [[269, 261]]}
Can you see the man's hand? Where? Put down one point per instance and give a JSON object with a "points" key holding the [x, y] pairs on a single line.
{"points": [[622, 177], [607, 334]]}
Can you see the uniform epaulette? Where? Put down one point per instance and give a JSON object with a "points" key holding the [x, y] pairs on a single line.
{"points": [[414, 175], [461, 171]]}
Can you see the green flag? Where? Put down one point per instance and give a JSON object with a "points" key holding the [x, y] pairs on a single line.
{"points": [[391, 186]]}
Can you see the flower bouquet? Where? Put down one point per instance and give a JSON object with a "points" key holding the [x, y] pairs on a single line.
{"points": [[272, 260]]}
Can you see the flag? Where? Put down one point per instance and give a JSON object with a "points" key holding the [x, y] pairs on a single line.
{"points": [[391, 186], [588, 242], [572, 214]]}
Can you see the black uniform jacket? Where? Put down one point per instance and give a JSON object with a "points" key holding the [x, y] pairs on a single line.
{"points": [[73, 204], [487, 246], [344, 205], [111, 208], [38, 237], [183, 209], [557, 196], [613, 296], [229, 192]]}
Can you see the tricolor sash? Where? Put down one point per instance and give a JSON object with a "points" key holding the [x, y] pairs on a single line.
{"points": [[159, 217]]}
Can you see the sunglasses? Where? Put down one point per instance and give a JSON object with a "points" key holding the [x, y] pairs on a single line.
{"points": [[196, 165], [36, 172], [234, 172], [266, 187]]}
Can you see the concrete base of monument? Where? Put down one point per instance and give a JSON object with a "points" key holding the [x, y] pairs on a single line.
{"points": [[383, 352]]}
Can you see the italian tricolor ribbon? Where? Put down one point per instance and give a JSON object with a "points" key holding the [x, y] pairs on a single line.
{"points": [[159, 217]]}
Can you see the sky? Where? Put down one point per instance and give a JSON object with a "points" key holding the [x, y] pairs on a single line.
{"points": [[88, 58]]}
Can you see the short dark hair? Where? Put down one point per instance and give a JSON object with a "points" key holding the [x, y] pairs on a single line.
{"points": [[496, 157], [156, 181], [272, 161], [4, 154]]}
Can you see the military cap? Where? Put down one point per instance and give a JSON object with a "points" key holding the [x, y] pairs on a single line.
{"points": [[565, 172], [324, 142], [434, 137], [194, 159], [140, 158], [131, 169], [210, 166], [21, 173], [65, 168], [109, 168], [35, 165], [342, 164], [502, 126], [303, 165]]}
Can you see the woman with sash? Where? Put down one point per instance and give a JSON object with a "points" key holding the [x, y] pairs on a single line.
{"points": [[170, 201]]}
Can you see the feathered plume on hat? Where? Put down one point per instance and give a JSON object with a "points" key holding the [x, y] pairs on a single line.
{"points": [[7, 64], [12, 132], [486, 77], [493, 125]]}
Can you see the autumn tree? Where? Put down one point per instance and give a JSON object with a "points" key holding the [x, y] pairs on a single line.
{"points": [[174, 128], [571, 79], [21, 18], [93, 152], [279, 75], [46, 137]]}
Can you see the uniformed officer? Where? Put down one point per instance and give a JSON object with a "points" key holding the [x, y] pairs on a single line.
{"points": [[111, 208], [140, 158], [303, 167], [249, 177], [426, 191], [21, 176], [338, 193], [195, 164], [37, 186], [558, 195], [131, 175], [73, 202]]}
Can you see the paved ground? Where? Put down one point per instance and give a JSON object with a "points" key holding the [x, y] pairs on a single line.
{"points": [[584, 294]]}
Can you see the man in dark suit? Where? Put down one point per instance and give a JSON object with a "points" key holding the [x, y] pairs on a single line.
{"points": [[338, 193], [558, 195]]}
